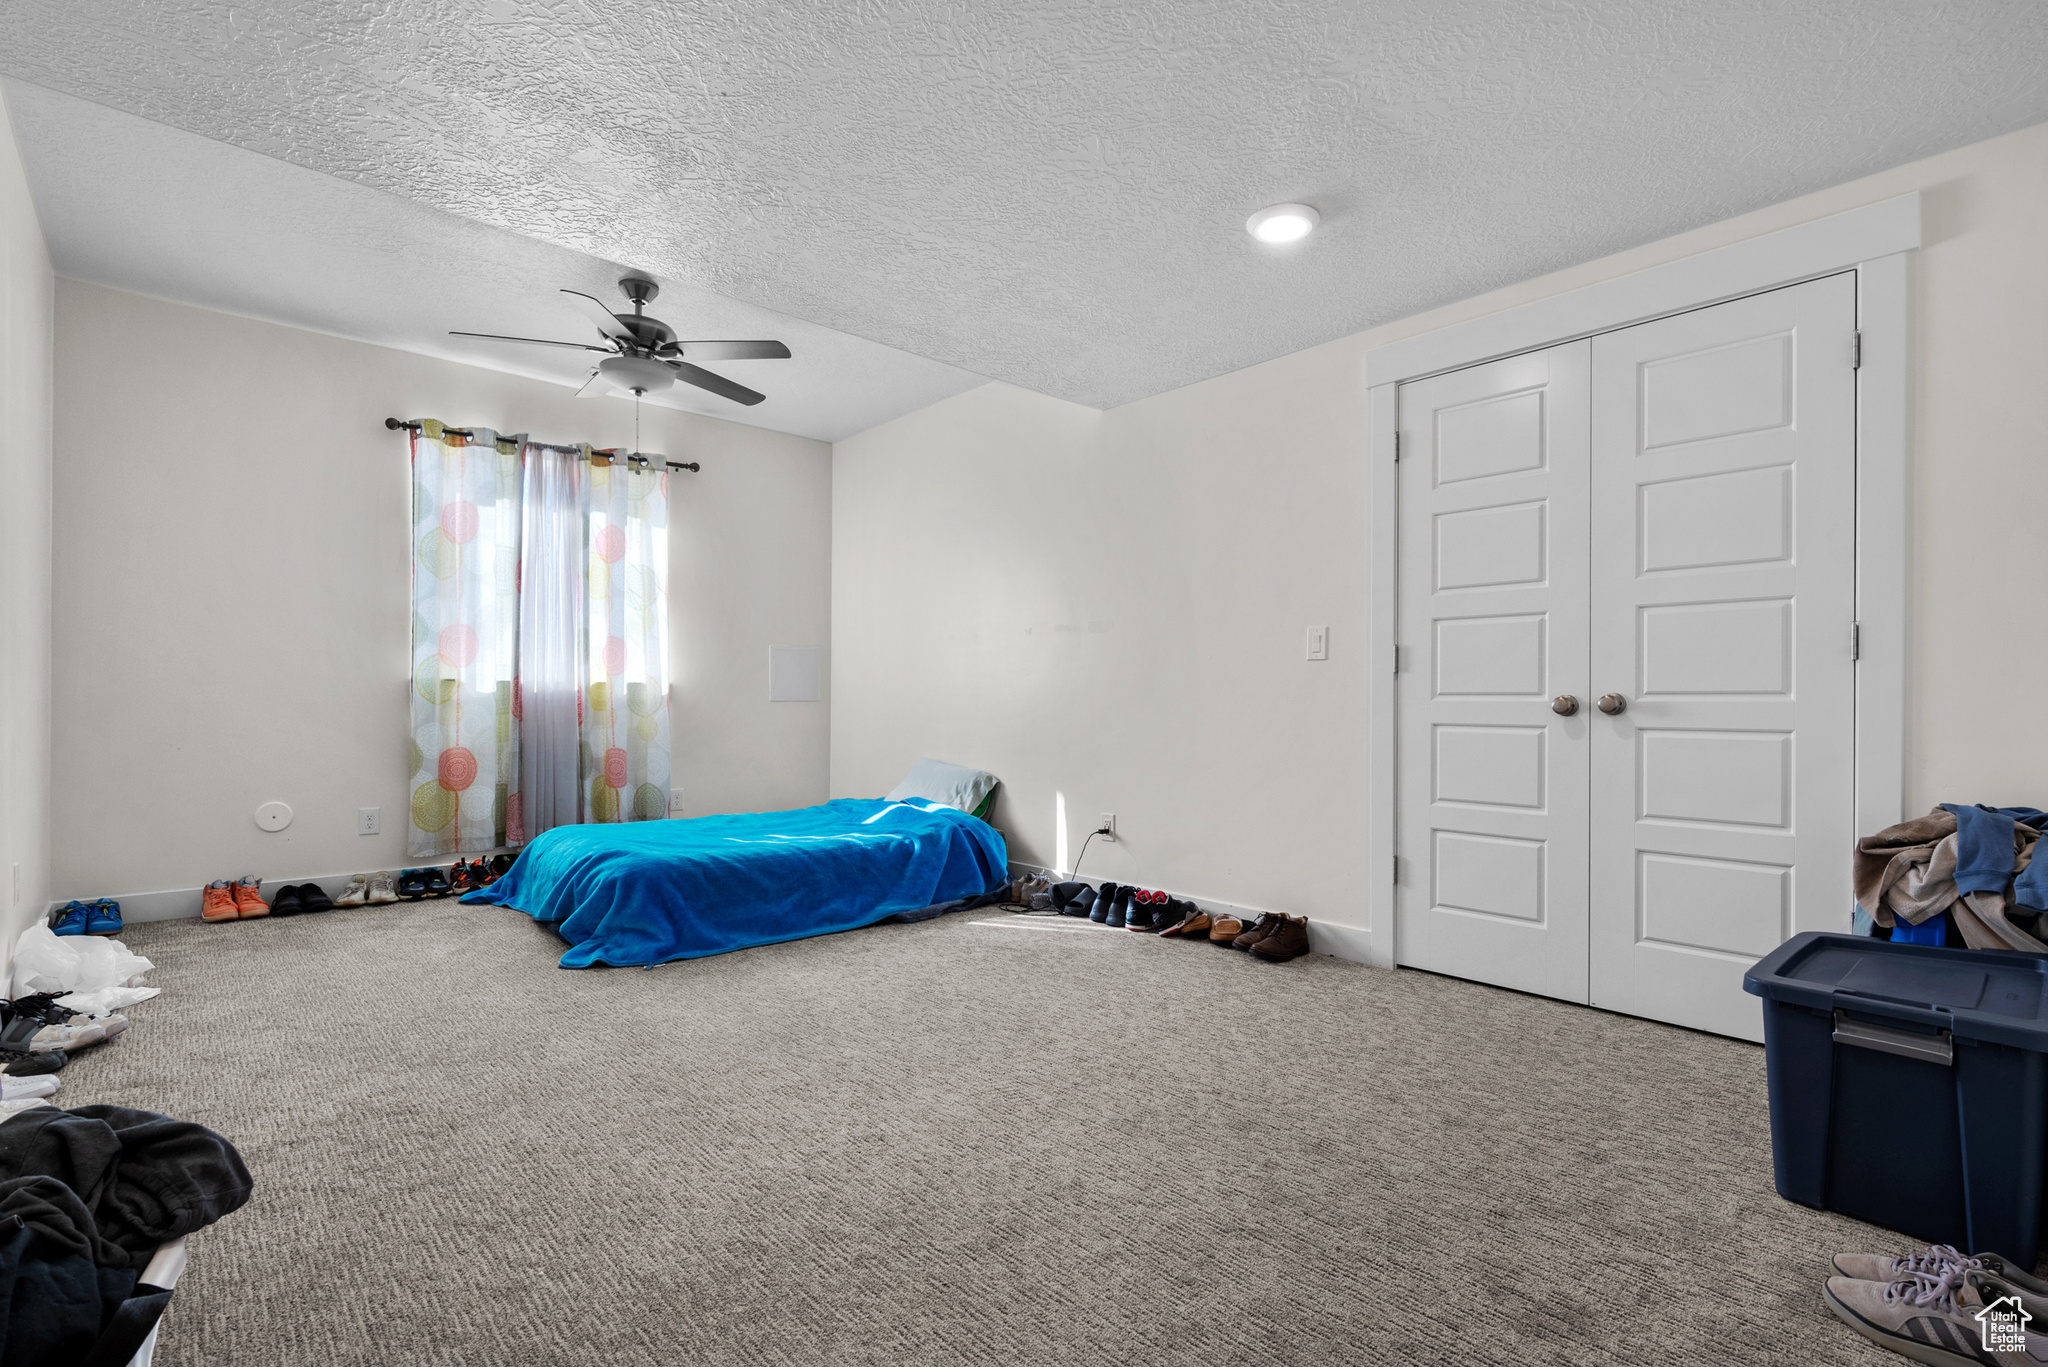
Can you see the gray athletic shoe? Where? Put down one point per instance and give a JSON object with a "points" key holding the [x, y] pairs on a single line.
{"points": [[1962, 1318], [384, 886], [1934, 1259], [356, 893]]}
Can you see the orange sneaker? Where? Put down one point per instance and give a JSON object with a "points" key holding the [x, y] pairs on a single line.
{"points": [[249, 898], [217, 901]]}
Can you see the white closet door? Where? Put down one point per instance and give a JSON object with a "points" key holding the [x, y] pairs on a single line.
{"points": [[1492, 833], [1723, 574]]}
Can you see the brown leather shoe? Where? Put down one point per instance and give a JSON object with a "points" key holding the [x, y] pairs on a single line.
{"points": [[1258, 930], [1224, 929], [1289, 940]]}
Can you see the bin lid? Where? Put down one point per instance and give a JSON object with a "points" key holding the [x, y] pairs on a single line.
{"points": [[1987, 994]]}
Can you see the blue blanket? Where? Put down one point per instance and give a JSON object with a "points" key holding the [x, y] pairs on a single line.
{"points": [[646, 892]]}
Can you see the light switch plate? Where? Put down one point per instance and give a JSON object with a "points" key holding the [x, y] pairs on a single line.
{"points": [[1319, 643], [366, 821]]}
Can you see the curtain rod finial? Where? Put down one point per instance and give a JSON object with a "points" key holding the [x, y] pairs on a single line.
{"points": [[393, 424]]}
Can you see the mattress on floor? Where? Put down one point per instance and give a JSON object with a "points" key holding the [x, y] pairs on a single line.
{"points": [[647, 892]]}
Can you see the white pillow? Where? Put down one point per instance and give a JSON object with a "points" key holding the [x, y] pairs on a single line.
{"points": [[953, 784]]}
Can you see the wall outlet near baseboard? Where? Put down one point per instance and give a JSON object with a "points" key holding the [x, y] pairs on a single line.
{"points": [[1106, 827], [675, 800], [366, 820]]}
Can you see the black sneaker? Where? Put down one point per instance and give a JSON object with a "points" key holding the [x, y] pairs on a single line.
{"points": [[437, 881], [1143, 905], [286, 902], [412, 884], [313, 897], [1105, 898], [1119, 910]]}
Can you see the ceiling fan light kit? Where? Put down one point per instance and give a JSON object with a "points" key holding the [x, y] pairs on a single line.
{"points": [[646, 356], [634, 374]]}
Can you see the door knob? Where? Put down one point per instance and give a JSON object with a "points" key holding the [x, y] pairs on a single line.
{"points": [[1564, 705], [1613, 703]]}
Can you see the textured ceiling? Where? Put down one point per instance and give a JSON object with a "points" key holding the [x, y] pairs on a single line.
{"points": [[1052, 193], [140, 206]]}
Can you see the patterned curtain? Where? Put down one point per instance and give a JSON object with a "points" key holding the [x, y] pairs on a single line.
{"points": [[624, 759], [465, 624], [515, 662]]}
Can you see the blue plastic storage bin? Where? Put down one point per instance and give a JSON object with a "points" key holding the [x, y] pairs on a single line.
{"points": [[1908, 1086]]}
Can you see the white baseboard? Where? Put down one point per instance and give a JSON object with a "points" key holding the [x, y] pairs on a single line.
{"points": [[179, 904], [1324, 937]]}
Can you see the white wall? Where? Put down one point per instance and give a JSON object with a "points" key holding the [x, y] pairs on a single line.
{"points": [[26, 289], [1116, 615], [232, 590]]}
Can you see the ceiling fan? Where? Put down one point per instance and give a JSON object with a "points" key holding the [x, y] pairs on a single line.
{"points": [[645, 355]]}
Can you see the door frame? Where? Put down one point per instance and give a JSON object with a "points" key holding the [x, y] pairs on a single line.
{"points": [[1875, 242]]}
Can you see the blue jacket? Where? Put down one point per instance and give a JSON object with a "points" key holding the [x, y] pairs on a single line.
{"points": [[1984, 853]]}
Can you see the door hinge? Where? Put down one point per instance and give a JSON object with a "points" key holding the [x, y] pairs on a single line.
{"points": [[1397, 869], [1855, 640], [1856, 351], [1397, 446], [1397, 659]]}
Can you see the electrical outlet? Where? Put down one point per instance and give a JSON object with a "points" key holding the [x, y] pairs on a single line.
{"points": [[675, 800], [1319, 643], [366, 821], [1107, 826]]}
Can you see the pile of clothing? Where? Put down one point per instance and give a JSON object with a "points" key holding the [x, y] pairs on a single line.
{"points": [[1974, 865], [86, 1199]]}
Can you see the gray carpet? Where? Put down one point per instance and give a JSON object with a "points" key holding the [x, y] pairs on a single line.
{"points": [[949, 1143]]}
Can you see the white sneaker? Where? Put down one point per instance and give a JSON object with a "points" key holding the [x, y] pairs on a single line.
{"points": [[356, 893], [10, 1109], [28, 1088], [384, 886], [79, 1032]]}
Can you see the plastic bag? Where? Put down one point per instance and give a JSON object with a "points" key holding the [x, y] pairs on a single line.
{"points": [[87, 972]]}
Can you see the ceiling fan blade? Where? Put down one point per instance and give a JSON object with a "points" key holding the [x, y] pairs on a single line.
{"points": [[717, 384], [733, 351], [594, 309], [596, 387], [537, 341]]}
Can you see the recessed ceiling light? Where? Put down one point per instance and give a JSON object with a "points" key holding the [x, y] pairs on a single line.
{"points": [[1283, 223]]}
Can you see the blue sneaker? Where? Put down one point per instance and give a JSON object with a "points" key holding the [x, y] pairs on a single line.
{"points": [[103, 918], [72, 919]]}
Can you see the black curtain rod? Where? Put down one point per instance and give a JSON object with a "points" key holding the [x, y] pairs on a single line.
{"points": [[407, 425]]}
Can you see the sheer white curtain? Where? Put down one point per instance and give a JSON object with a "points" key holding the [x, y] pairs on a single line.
{"points": [[552, 637], [625, 716], [591, 696]]}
